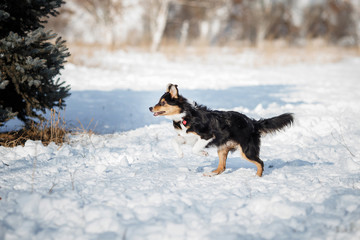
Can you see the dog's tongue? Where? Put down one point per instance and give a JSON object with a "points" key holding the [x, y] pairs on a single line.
{"points": [[158, 113]]}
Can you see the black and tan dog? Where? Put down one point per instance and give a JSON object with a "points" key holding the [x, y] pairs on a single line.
{"points": [[227, 130]]}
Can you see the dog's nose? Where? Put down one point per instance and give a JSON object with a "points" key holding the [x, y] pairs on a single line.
{"points": [[150, 108]]}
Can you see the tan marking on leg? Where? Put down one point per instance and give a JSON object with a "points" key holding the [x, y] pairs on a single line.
{"points": [[223, 152], [258, 165]]}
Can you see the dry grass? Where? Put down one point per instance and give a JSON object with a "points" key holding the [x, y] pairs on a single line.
{"points": [[54, 129], [314, 51], [268, 53], [51, 130]]}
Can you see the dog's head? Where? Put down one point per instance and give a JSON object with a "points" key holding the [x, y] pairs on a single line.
{"points": [[169, 103]]}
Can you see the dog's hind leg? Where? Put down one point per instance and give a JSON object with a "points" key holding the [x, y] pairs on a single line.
{"points": [[253, 157]]}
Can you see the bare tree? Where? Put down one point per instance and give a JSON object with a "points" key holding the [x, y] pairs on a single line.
{"points": [[160, 23], [181, 18], [356, 17], [214, 22], [105, 12]]}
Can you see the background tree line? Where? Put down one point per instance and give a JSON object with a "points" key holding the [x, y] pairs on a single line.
{"points": [[210, 22]]}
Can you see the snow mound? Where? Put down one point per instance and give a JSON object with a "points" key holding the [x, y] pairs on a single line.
{"points": [[131, 185]]}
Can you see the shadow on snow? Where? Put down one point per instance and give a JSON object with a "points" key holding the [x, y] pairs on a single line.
{"points": [[234, 163]]}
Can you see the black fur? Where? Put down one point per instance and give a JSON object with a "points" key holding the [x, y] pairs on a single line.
{"points": [[177, 124], [228, 125], [274, 124], [225, 126]]}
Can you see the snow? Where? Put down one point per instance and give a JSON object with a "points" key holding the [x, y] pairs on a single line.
{"points": [[128, 183]]}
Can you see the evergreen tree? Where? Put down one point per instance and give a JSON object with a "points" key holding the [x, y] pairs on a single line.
{"points": [[30, 60]]}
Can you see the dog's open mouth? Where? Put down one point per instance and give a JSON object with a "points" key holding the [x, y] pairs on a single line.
{"points": [[158, 113]]}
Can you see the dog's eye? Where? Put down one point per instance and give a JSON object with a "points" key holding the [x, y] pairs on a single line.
{"points": [[162, 103]]}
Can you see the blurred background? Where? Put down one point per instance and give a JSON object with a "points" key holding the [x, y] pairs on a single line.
{"points": [[134, 48], [165, 25]]}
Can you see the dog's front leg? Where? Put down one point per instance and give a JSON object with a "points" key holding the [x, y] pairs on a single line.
{"points": [[176, 142], [223, 152], [199, 146]]}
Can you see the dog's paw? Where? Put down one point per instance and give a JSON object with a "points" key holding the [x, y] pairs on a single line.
{"points": [[209, 174], [214, 173], [203, 153]]}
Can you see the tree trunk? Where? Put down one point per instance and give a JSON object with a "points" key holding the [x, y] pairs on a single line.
{"points": [[160, 25], [184, 33], [262, 11]]}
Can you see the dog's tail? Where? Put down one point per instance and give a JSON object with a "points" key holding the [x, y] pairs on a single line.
{"points": [[274, 124]]}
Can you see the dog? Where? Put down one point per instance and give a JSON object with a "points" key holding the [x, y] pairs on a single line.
{"points": [[226, 130]]}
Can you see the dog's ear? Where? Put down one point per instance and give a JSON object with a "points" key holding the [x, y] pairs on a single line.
{"points": [[173, 90]]}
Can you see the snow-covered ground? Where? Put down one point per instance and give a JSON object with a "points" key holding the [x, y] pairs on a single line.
{"points": [[128, 183]]}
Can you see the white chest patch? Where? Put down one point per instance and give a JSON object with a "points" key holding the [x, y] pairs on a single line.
{"points": [[176, 117]]}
